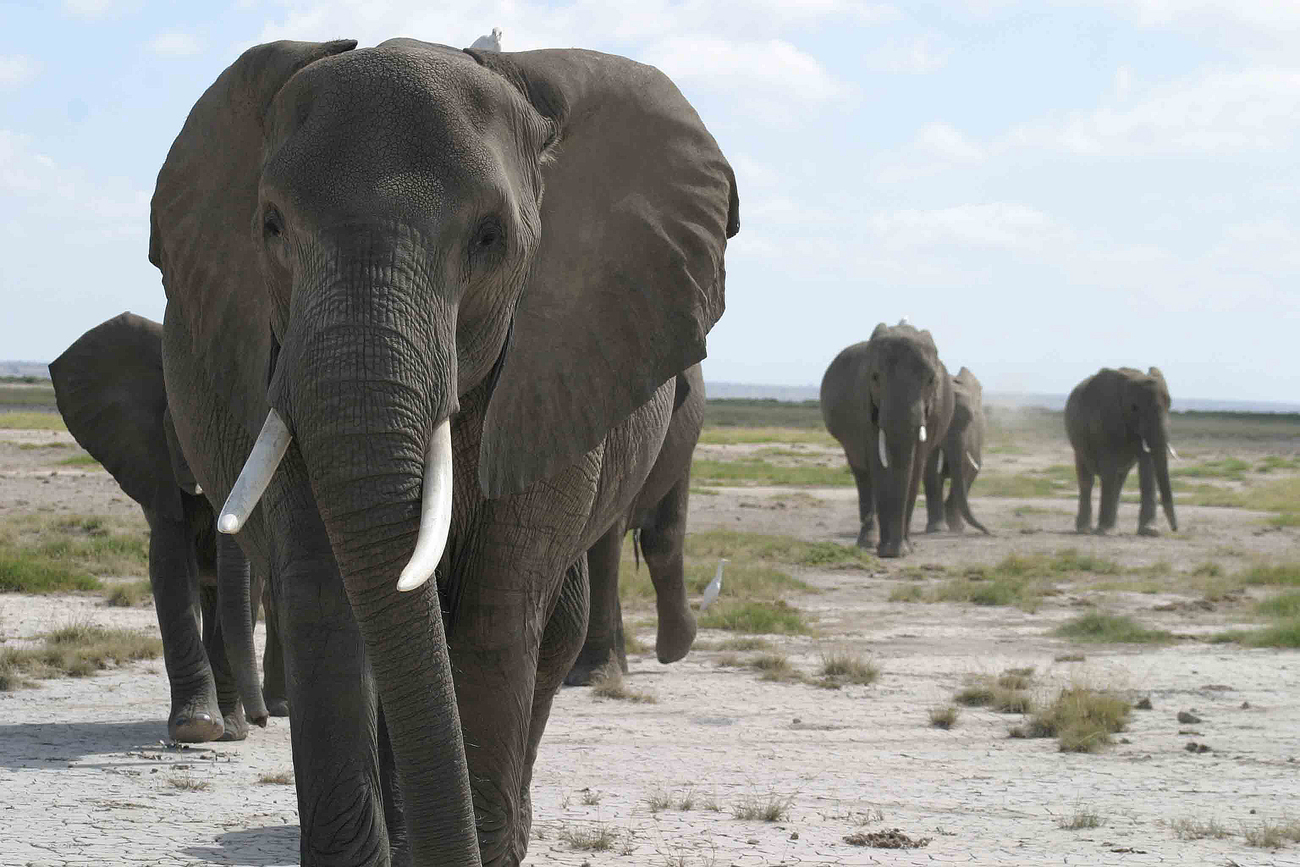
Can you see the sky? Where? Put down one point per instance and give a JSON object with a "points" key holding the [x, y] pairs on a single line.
{"points": [[1048, 186]]}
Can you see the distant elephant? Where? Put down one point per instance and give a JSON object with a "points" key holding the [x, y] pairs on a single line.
{"points": [[961, 453], [109, 388], [454, 377], [1114, 419], [889, 401], [659, 516]]}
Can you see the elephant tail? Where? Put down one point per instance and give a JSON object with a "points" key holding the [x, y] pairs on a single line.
{"points": [[961, 481], [636, 547]]}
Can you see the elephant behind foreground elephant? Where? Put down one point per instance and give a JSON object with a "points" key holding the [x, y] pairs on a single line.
{"points": [[659, 514], [1115, 419], [453, 377], [109, 388], [961, 453], [889, 401]]}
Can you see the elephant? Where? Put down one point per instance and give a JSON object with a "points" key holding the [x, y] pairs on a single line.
{"points": [[889, 401], [658, 517], [1114, 419], [109, 388], [960, 454], [393, 359]]}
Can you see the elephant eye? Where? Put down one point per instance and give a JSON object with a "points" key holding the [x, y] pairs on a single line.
{"points": [[489, 234], [273, 223]]}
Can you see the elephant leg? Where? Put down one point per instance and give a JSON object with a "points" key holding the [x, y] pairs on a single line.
{"points": [[273, 687], [234, 726], [173, 574], [1111, 485], [238, 609], [1083, 520], [866, 508], [662, 543], [605, 624], [951, 510], [913, 489], [1147, 490], [933, 492], [399, 841]]}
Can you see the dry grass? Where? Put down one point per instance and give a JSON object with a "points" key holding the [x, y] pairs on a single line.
{"points": [[132, 594], [775, 667], [845, 666], [1270, 834], [1199, 829], [1004, 693], [661, 800], [770, 807], [1082, 719], [609, 683], [31, 421], [75, 650], [41, 553], [276, 778], [944, 716], [590, 838], [188, 783], [1081, 819]]}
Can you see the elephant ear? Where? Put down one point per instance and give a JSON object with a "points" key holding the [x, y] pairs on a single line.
{"points": [[202, 214], [879, 331], [109, 389], [628, 276]]}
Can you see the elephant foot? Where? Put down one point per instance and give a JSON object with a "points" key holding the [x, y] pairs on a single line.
{"points": [[589, 662], [867, 537], [277, 706], [1101, 531], [891, 550], [1148, 530], [235, 726], [1083, 529], [956, 527], [192, 724], [674, 638], [934, 527]]}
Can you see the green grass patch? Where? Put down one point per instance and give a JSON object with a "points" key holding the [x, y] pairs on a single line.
{"points": [[32, 447], [760, 618], [1271, 463], [31, 421], [1082, 719], [1282, 605], [1021, 485], [1226, 468], [1272, 574], [742, 412], [1282, 634], [727, 436], [42, 553], [1096, 626], [756, 471], [785, 550], [82, 460], [27, 394]]}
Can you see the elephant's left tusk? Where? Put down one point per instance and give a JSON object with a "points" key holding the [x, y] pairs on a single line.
{"points": [[435, 511], [1146, 448], [198, 489], [972, 462], [1173, 454], [921, 436], [262, 461]]}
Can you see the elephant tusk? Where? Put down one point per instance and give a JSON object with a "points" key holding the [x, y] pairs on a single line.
{"points": [[262, 461], [1146, 448], [1173, 454], [941, 463], [973, 462], [435, 511], [884, 455], [921, 436], [198, 489]]}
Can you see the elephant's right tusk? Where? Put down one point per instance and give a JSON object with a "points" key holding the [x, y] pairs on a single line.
{"points": [[1146, 448], [435, 511], [941, 463], [1173, 454], [884, 455], [973, 462], [262, 461], [921, 435]]}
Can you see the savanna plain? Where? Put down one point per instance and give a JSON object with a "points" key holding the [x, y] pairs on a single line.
{"points": [[1029, 697]]}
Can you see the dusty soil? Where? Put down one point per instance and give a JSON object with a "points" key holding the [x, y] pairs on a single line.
{"points": [[85, 778]]}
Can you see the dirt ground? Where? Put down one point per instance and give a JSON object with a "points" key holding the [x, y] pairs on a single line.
{"points": [[86, 777]]}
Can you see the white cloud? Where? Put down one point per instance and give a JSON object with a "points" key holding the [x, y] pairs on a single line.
{"points": [[16, 70], [174, 45], [725, 65], [1218, 112], [996, 224], [912, 56], [99, 8], [947, 142]]}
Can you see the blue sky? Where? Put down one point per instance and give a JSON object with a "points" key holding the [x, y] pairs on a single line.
{"points": [[1049, 187]]}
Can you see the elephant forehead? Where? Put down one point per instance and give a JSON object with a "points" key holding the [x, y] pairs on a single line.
{"points": [[393, 120]]}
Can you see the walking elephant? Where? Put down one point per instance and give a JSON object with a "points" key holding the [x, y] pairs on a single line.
{"points": [[395, 359], [960, 455], [659, 515], [889, 401], [1114, 419], [109, 389]]}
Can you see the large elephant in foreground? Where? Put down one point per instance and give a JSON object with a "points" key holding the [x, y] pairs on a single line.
{"points": [[109, 388], [395, 358], [961, 453], [889, 401], [1114, 419], [658, 514]]}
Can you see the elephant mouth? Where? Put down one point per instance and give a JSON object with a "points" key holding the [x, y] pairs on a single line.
{"points": [[435, 506]]}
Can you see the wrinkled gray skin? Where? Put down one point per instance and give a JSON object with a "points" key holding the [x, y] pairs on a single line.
{"points": [[893, 382], [1115, 419], [659, 514], [109, 388], [359, 239], [959, 458]]}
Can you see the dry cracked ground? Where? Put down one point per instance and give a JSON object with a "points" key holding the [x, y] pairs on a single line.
{"points": [[1153, 681]]}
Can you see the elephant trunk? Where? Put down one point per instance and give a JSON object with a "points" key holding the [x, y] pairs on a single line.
{"points": [[898, 437], [964, 469], [1160, 460], [365, 381], [237, 610]]}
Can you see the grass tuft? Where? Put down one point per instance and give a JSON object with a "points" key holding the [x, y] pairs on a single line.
{"points": [[76, 650], [944, 717], [1272, 835], [609, 683], [763, 808], [1081, 719], [1082, 819], [188, 783], [845, 666], [777, 618], [1199, 829], [276, 778], [590, 838]]}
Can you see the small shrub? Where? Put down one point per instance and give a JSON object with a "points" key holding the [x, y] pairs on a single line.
{"points": [[989, 692], [590, 797], [849, 667], [944, 717], [1081, 719], [765, 808]]}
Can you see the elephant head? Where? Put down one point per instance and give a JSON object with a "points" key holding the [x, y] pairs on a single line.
{"points": [[544, 229], [1145, 406], [909, 398]]}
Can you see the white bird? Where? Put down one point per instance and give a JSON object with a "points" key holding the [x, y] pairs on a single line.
{"points": [[715, 586], [491, 42]]}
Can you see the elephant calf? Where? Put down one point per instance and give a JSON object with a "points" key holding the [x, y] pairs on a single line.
{"points": [[1116, 418], [959, 456], [889, 401]]}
